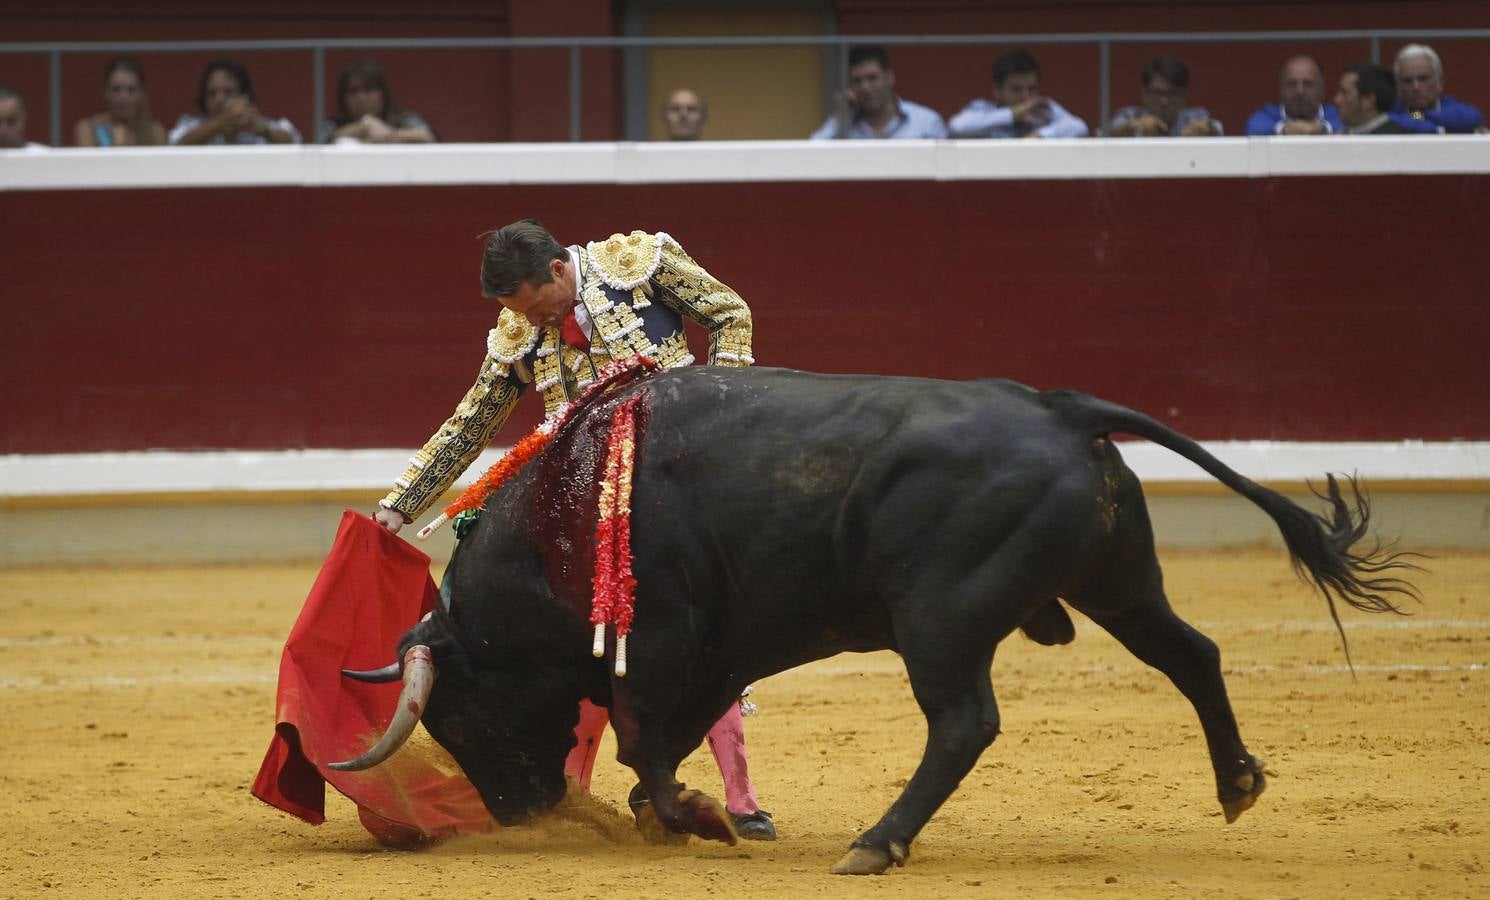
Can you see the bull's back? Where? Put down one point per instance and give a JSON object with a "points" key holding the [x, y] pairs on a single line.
{"points": [[775, 410], [773, 483], [799, 437]]}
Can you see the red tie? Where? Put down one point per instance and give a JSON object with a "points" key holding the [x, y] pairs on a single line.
{"points": [[574, 335]]}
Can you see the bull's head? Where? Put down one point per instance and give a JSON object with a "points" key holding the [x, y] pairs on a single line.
{"points": [[509, 725]]}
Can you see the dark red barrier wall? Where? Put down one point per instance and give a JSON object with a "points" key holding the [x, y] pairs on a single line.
{"points": [[1293, 308]]}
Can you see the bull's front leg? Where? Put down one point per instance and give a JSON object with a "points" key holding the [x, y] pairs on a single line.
{"points": [[665, 808]]}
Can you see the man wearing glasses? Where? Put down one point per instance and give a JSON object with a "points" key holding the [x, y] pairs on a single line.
{"points": [[1162, 111]]}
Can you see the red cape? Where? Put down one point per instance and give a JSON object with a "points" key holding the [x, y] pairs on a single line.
{"points": [[372, 588]]}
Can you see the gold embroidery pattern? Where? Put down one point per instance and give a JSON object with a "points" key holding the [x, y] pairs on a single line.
{"points": [[512, 339], [578, 371], [457, 443], [696, 294], [592, 295], [548, 370], [622, 332], [673, 351], [628, 261]]}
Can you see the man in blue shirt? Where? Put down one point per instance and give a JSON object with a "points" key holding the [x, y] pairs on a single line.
{"points": [[1422, 107], [1302, 109], [1017, 110], [869, 109]]}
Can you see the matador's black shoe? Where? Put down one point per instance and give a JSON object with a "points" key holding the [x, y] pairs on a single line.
{"points": [[754, 826]]}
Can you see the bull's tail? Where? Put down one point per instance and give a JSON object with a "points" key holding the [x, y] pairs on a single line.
{"points": [[1324, 547]]}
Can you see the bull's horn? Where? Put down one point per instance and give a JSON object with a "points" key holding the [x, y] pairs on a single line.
{"points": [[391, 672], [419, 679]]}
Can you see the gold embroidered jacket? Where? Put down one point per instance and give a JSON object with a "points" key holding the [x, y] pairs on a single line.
{"points": [[636, 289]]}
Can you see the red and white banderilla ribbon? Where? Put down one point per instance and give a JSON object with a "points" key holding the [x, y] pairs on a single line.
{"points": [[614, 597]]}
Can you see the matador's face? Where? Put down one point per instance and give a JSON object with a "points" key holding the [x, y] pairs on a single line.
{"points": [[545, 305]]}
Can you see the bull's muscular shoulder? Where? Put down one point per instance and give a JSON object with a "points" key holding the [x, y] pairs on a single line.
{"points": [[625, 261], [512, 339]]}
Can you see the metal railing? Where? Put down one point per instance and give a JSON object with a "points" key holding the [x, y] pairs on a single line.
{"points": [[317, 47]]}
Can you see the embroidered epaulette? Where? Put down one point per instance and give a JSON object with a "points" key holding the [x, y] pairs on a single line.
{"points": [[625, 261], [512, 339]]}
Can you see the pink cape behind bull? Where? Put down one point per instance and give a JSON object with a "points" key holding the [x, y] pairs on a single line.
{"points": [[371, 588]]}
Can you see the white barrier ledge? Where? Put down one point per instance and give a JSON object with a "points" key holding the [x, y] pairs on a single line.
{"points": [[738, 161], [165, 472]]}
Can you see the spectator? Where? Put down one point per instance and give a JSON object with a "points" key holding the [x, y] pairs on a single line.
{"points": [[1162, 111], [1302, 110], [1017, 110], [1422, 106], [870, 108], [228, 114], [1365, 96], [13, 122], [684, 115], [126, 119], [367, 113]]}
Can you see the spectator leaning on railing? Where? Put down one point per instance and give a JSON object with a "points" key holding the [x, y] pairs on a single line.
{"points": [[126, 119], [1018, 110], [1365, 95], [871, 109], [366, 112], [1422, 106], [1301, 108], [1161, 111], [229, 116], [13, 122]]}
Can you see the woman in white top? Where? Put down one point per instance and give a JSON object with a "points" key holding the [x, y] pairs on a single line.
{"points": [[228, 114]]}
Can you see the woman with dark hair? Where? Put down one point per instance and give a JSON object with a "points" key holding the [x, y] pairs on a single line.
{"points": [[225, 100], [367, 112], [125, 121]]}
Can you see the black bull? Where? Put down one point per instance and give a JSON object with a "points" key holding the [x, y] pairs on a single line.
{"points": [[781, 517]]}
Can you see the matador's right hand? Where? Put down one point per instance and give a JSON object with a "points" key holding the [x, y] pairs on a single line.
{"points": [[390, 519]]}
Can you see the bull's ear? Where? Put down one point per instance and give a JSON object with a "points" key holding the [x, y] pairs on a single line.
{"points": [[390, 672]]}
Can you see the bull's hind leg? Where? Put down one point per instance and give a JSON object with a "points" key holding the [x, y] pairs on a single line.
{"points": [[1154, 634], [954, 691]]}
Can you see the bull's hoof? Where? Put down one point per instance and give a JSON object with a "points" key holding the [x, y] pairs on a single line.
{"points": [[698, 813], [871, 860], [1242, 793], [652, 829], [706, 817]]}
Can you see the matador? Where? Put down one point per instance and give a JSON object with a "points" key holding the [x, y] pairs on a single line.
{"points": [[567, 311]]}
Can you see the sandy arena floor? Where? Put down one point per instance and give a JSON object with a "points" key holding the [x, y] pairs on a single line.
{"points": [[138, 704]]}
